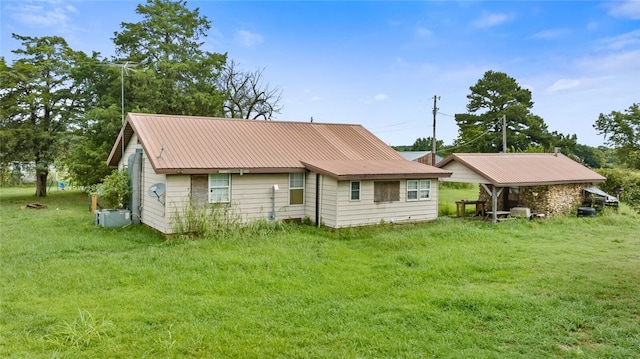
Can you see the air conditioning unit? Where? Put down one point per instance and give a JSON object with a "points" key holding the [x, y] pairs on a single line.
{"points": [[112, 218]]}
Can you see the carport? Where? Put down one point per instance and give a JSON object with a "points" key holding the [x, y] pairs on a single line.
{"points": [[542, 174]]}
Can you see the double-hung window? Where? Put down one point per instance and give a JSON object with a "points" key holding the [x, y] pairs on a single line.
{"points": [[418, 190], [296, 188], [219, 188], [354, 191]]}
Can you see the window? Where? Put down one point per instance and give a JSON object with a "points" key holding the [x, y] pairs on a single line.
{"points": [[418, 190], [355, 191], [296, 188], [386, 191], [219, 187]]}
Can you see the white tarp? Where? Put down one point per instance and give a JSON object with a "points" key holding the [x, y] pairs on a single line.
{"points": [[599, 192]]}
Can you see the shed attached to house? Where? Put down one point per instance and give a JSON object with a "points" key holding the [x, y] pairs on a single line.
{"points": [[337, 175], [547, 183]]}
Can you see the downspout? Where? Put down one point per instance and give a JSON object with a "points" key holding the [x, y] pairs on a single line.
{"points": [[135, 185], [317, 200]]}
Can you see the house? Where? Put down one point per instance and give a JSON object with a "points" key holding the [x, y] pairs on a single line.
{"points": [[423, 157], [337, 175], [546, 183]]}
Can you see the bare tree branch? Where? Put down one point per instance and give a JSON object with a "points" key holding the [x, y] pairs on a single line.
{"points": [[246, 95]]}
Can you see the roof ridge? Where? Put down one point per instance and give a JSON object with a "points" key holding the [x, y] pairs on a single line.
{"points": [[240, 119]]}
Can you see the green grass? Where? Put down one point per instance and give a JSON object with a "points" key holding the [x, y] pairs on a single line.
{"points": [[449, 194], [563, 287]]}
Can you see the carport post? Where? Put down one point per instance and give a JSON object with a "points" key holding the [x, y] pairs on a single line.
{"points": [[494, 200]]}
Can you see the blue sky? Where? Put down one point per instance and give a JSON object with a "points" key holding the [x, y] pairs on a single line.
{"points": [[380, 63]]}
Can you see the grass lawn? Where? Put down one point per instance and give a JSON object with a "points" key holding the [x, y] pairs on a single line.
{"points": [[562, 287]]}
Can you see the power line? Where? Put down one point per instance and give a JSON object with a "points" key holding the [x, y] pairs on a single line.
{"points": [[446, 114], [475, 139]]}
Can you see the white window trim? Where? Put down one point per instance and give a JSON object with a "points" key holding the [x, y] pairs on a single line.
{"points": [[351, 199], [419, 190], [302, 188], [227, 187]]}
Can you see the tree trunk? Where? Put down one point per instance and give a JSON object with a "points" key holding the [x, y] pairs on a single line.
{"points": [[41, 182]]}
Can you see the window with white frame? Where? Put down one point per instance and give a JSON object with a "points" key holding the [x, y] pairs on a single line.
{"points": [[296, 188], [354, 191], [219, 188], [418, 190]]}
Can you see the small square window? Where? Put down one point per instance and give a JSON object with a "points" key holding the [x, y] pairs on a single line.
{"points": [[219, 188], [296, 188], [418, 190], [355, 191]]}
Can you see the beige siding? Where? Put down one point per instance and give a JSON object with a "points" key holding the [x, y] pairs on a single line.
{"points": [[462, 174], [251, 195], [366, 211], [177, 198], [328, 202], [310, 195], [153, 210], [131, 148]]}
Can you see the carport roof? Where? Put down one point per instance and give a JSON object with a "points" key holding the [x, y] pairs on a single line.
{"points": [[519, 169]]}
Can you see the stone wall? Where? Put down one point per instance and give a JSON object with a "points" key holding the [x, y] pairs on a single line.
{"points": [[551, 200]]}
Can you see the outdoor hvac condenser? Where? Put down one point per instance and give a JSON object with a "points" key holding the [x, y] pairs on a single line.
{"points": [[112, 218]]}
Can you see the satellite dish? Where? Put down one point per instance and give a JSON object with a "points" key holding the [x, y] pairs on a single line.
{"points": [[156, 190]]}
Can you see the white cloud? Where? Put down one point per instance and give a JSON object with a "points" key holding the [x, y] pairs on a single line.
{"points": [[423, 31], [50, 15], [247, 38], [487, 20], [621, 41], [377, 98], [549, 34], [625, 9], [563, 84]]}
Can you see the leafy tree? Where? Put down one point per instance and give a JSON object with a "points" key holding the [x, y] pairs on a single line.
{"points": [[246, 96], [42, 97], [89, 146], [177, 76], [162, 70], [492, 97], [425, 144], [590, 156], [622, 130]]}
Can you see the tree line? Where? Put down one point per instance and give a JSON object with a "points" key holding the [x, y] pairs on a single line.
{"points": [[499, 106], [62, 106]]}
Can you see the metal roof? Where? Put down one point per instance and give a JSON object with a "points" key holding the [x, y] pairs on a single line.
{"points": [[187, 144], [524, 169], [374, 169]]}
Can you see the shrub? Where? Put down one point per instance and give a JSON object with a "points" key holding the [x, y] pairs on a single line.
{"points": [[446, 209], [624, 183], [114, 190], [218, 221]]}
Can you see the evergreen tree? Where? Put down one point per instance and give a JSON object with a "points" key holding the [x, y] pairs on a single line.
{"points": [[42, 97], [492, 97]]}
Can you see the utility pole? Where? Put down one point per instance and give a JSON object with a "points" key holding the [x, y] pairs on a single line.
{"points": [[433, 138], [504, 133]]}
